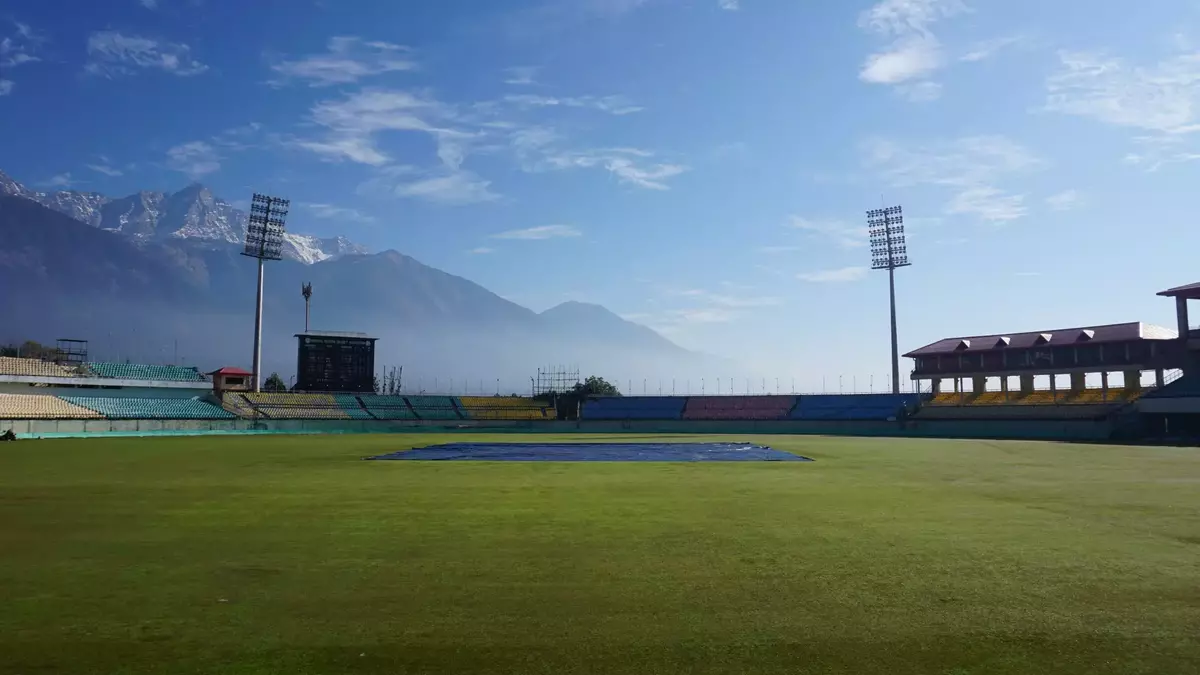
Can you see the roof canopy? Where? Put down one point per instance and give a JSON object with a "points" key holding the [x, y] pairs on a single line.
{"points": [[1190, 292], [1118, 332], [232, 371], [336, 334]]}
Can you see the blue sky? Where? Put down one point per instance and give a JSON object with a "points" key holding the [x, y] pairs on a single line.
{"points": [[701, 166]]}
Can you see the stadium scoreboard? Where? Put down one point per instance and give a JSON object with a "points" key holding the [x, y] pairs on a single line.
{"points": [[335, 362]]}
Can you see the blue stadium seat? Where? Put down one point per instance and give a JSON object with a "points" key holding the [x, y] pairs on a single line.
{"points": [[635, 408], [135, 371], [120, 408], [852, 407]]}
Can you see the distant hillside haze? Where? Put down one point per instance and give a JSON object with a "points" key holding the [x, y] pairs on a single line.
{"points": [[153, 275]]}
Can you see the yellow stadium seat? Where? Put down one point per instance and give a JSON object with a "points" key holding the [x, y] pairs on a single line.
{"points": [[32, 407]]}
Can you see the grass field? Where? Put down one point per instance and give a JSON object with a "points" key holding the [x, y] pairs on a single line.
{"points": [[288, 555]]}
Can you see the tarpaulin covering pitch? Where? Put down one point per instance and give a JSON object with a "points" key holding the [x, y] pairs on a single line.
{"points": [[598, 452]]}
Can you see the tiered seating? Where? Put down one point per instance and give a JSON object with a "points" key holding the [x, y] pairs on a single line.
{"points": [[738, 407], [946, 398], [349, 403], [503, 408], [287, 405], [991, 398], [387, 407], [852, 407], [32, 368], [634, 408], [123, 408], [434, 407], [1035, 398], [1013, 412], [134, 371], [237, 404], [24, 407]]}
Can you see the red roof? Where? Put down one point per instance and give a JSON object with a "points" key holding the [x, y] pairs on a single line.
{"points": [[1119, 332], [1191, 292], [230, 370]]}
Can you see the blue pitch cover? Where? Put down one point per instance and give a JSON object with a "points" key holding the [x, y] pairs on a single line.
{"points": [[597, 452]]}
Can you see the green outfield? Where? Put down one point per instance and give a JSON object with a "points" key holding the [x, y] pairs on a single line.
{"points": [[289, 555]]}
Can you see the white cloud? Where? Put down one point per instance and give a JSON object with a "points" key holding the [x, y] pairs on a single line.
{"points": [[1155, 152], [539, 149], [782, 248], [915, 52], [17, 49], [195, 159], [615, 105], [910, 59], [1065, 201], [62, 180], [347, 60], [521, 75], [963, 162], [729, 5], [149, 4], [982, 51], [454, 189], [842, 275], [111, 54], [105, 169], [6, 87], [353, 122], [481, 250], [845, 235], [341, 213], [988, 204], [541, 232]]}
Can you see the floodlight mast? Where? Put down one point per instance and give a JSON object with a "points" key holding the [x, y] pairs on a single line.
{"points": [[264, 241], [889, 252]]}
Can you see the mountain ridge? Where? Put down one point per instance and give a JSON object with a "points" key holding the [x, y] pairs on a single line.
{"points": [[192, 213]]}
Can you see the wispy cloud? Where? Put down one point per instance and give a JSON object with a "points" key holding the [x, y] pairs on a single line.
{"points": [[340, 213], [781, 248], [149, 4], [6, 87], [915, 52], [982, 51], [112, 54], [62, 180], [834, 276], [840, 232], [353, 122], [347, 59], [541, 149], [729, 5], [17, 48], [521, 76], [481, 250], [541, 232], [105, 167], [456, 188], [1160, 102], [1065, 201], [988, 204], [615, 105], [196, 159], [971, 166]]}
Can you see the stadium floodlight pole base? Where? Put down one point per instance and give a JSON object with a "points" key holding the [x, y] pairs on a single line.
{"points": [[258, 312], [895, 338]]}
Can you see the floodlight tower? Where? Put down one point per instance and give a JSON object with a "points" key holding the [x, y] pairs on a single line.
{"points": [[306, 291], [889, 252], [264, 241]]}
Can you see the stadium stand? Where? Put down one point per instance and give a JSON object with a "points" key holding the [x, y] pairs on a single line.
{"points": [[634, 408], [434, 407], [237, 404], [33, 368], [738, 407], [27, 407], [384, 407], [503, 408], [288, 405], [129, 408], [134, 371], [1013, 412], [852, 407]]}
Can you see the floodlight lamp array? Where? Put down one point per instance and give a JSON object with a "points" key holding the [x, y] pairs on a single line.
{"points": [[265, 229], [886, 230]]}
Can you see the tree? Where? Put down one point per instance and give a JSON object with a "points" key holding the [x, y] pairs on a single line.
{"points": [[274, 383], [595, 386], [32, 350]]}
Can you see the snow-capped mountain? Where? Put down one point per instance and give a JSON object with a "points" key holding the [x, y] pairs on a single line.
{"points": [[193, 213]]}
